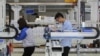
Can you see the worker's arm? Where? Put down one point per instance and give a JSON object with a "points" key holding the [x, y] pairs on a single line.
{"points": [[22, 35]]}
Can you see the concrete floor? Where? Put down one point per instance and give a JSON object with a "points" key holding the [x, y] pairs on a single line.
{"points": [[20, 54], [42, 54], [39, 52]]}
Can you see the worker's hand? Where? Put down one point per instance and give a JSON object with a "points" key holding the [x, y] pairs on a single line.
{"points": [[56, 31], [53, 30], [59, 31]]}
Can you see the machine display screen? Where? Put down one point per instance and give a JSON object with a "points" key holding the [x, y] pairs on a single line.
{"points": [[29, 11]]}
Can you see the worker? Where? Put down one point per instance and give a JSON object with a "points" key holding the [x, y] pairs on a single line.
{"points": [[26, 36], [66, 25]]}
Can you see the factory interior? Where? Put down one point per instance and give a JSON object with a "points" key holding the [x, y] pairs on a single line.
{"points": [[49, 27]]}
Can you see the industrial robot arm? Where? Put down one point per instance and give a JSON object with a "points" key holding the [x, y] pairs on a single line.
{"points": [[6, 25], [83, 35]]}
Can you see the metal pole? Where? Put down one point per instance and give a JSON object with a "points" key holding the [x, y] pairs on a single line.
{"points": [[78, 47], [79, 23], [79, 14]]}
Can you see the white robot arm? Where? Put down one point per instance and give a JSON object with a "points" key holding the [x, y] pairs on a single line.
{"points": [[6, 34], [77, 34]]}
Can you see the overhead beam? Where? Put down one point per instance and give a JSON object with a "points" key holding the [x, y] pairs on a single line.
{"points": [[32, 3], [41, 4]]}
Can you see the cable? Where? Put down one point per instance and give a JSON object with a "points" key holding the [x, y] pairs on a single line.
{"points": [[16, 33]]}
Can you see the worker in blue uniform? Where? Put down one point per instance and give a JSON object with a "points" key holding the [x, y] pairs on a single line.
{"points": [[26, 35], [66, 25]]}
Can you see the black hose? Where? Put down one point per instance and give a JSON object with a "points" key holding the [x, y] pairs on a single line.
{"points": [[8, 7], [93, 37], [16, 33], [83, 11]]}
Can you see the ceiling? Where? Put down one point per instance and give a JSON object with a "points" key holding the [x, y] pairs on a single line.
{"points": [[40, 0]]}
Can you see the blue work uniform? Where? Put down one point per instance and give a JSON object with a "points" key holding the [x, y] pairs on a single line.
{"points": [[66, 42], [22, 35], [27, 37]]}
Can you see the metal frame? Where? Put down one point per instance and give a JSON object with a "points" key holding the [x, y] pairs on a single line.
{"points": [[41, 3]]}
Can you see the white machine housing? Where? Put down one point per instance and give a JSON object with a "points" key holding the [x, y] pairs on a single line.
{"points": [[2, 14]]}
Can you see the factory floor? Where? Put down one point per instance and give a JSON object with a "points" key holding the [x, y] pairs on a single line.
{"points": [[42, 54], [38, 52]]}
